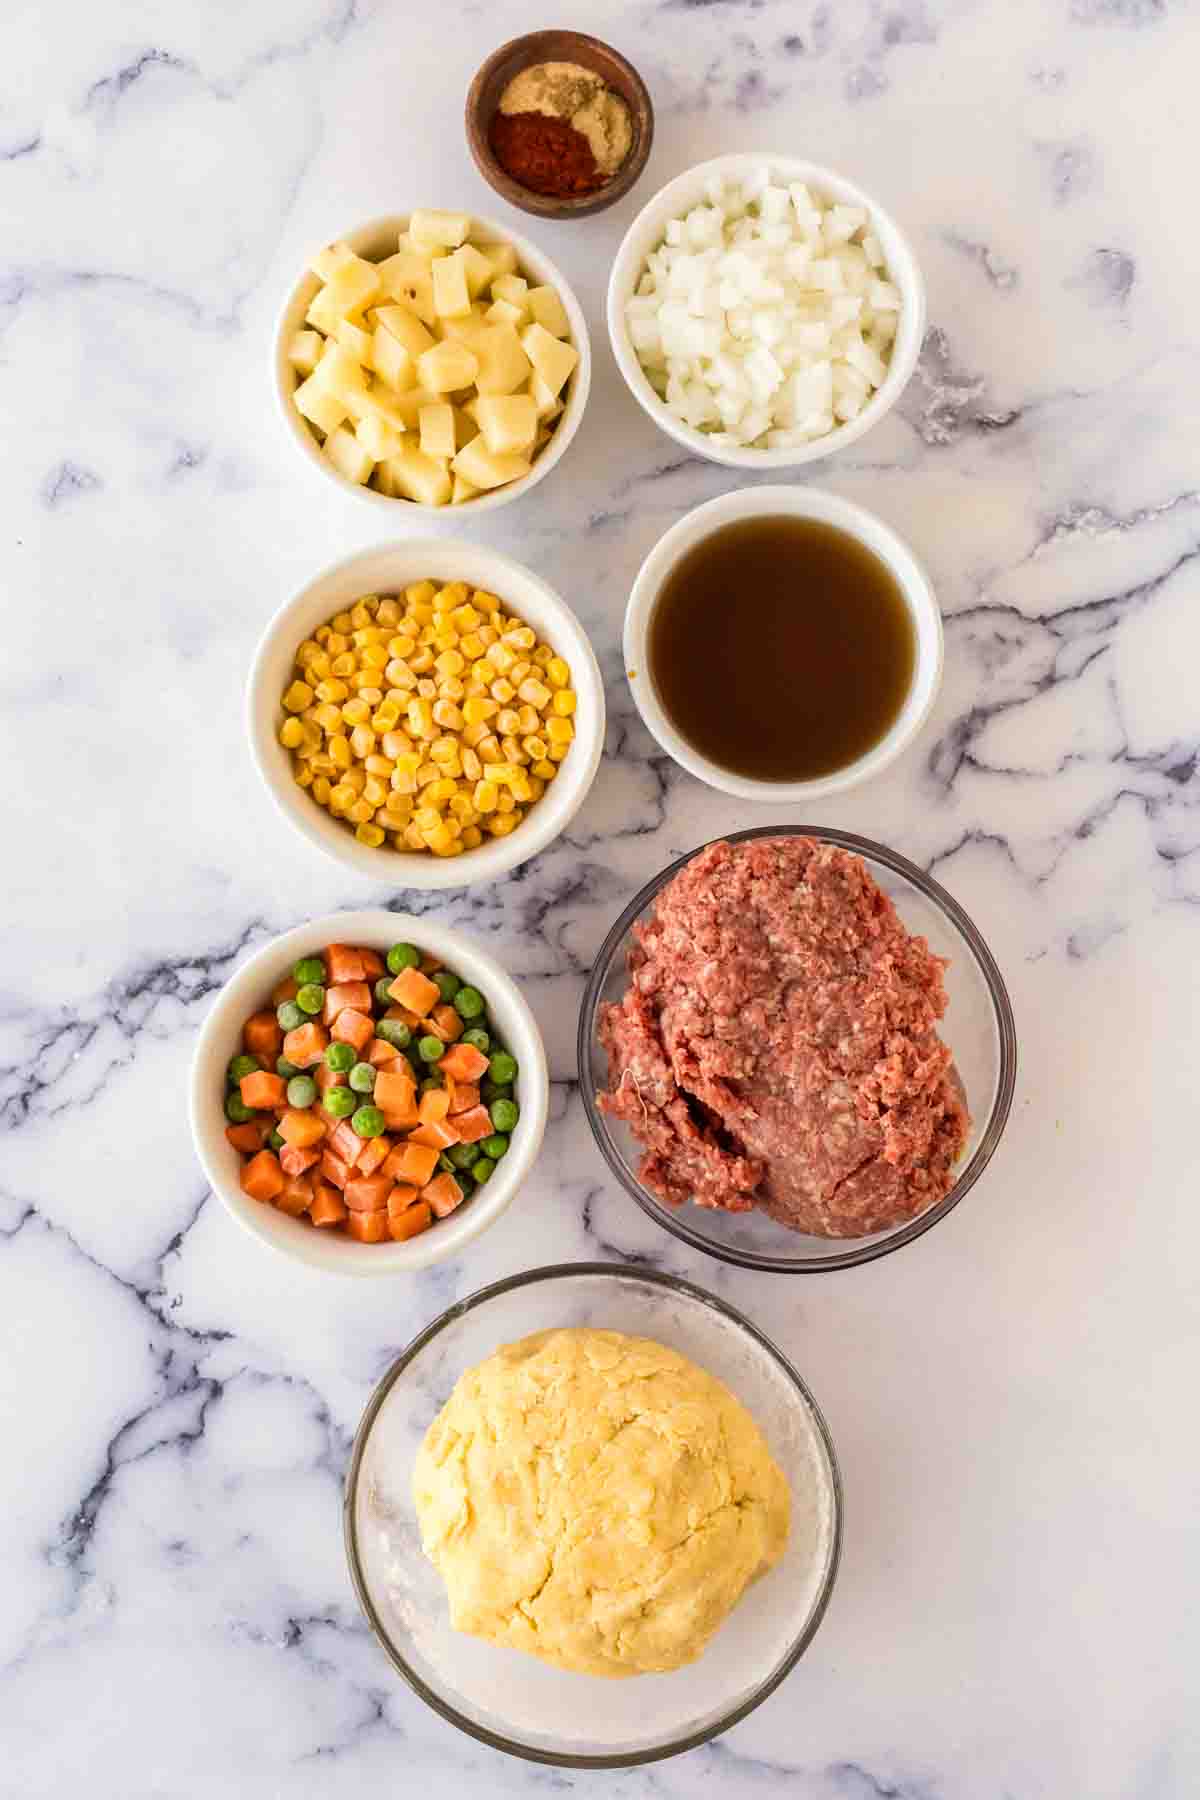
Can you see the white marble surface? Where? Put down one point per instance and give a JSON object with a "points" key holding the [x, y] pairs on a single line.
{"points": [[1014, 1396]]}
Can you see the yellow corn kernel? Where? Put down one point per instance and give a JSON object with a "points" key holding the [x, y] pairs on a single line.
{"points": [[530, 719], [344, 664], [362, 741], [427, 688], [500, 657], [449, 687], [426, 636], [520, 637], [339, 749], [328, 716], [536, 788], [459, 804], [511, 747], [472, 768], [420, 719], [542, 656], [500, 824], [444, 843], [341, 795], [359, 616], [404, 781], [321, 667], [402, 645], [447, 714], [474, 734], [562, 704], [558, 730], [485, 601], [321, 764], [439, 792], [520, 672], [544, 770], [401, 681], [362, 812], [427, 774], [310, 734], [291, 734], [308, 649], [472, 837], [489, 749], [356, 711], [450, 662], [535, 693], [412, 836], [386, 714], [421, 661], [557, 752], [389, 611], [557, 672], [374, 657], [302, 774], [322, 634], [298, 696], [502, 691], [507, 721], [396, 744], [420, 593], [378, 765], [322, 787], [485, 796], [427, 817], [343, 622], [465, 617], [471, 645], [337, 643], [375, 791], [520, 789], [487, 635], [356, 778], [370, 834], [534, 748], [505, 802]]}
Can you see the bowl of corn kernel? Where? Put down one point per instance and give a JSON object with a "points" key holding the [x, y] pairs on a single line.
{"points": [[428, 713]]}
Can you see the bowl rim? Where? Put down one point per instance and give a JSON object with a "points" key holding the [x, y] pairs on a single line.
{"points": [[427, 874], [862, 1251], [793, 500], [674, 1284], [206, 1119], [290, 318], [903, 268]]}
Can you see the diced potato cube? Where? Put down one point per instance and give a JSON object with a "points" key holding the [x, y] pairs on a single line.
{"points": [[355, 340], [348, 456], [548, 405], [463, 490], [465, 426], [330, 258], [406, 241], [437, 429], [391, 361], [418, 477], [352, 287], [446, 367], [508, 422], [340, 373], [379, 403], [466, 329], [476, 464], [548, 311], [377, 437], [477, 268], [315, 403], [503, 258], [405, 327], [503, 312], [408, 405], [552, 359], [503, 364], [451, 296], [444, 229], [407, 279], [304, 351], [512, 288]]}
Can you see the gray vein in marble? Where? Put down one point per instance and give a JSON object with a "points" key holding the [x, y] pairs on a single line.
{"points": [[1106, 277], [1071, 169], [1000, 273]]}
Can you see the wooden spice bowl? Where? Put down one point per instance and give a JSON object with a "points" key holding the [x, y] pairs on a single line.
{"points": [[483, 101]]}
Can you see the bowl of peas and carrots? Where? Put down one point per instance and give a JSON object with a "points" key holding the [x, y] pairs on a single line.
{"points": [[368, 1092]]}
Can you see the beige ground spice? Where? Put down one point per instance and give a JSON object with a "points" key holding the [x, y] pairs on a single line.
{"points": [[566, 90]]}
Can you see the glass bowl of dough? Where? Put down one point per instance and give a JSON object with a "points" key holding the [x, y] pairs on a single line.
{"points": [[593, 1516]]}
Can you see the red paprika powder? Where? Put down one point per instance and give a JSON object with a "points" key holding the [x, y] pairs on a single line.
{"points": [[546, 155]]}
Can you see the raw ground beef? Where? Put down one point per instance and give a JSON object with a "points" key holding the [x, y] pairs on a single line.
{"points": [[777, 1044]]}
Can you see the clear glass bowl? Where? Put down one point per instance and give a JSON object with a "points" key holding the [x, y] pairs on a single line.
{"points": [[512, 1701], [978, 1027]]}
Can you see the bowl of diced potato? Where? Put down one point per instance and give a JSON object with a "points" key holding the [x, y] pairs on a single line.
{"points": [[432, 359]]}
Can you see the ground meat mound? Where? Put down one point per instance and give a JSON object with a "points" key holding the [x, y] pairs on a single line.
{"points": [[777, 1045]]}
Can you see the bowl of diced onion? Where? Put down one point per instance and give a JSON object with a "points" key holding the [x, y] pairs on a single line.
{"points": [[765, 311]]}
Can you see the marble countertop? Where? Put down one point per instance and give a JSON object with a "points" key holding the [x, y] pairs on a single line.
{"points": [[1013, 1397]]}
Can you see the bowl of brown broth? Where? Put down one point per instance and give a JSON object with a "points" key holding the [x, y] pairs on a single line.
{"points": [[782, 643]]}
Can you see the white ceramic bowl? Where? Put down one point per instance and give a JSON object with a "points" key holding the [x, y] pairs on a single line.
{"points": [[376, 240], [686, 191], [383, 571], [249, 991], [800, 503]]}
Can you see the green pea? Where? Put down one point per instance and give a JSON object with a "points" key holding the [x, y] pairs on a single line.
{"points": [[490, 1090], [446, 983], [394, 1031], [301, 1091], [479, 1040], [483, 1170], [369, 1122], [309, 969], [464, 1155], [311, 997], [276, 1142], [401, 957], [243, 1065], [341, 1057], [236, 1110], [430, 1083], [383, 991], [362, 1078], [503, 1069], [291, 1016], [287, 1069], [445, 1165], [339, 1103], [468, 1002], [505, 1114], [430, 1049], [495, 1146]]}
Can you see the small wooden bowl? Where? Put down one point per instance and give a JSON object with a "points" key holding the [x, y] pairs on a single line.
{"points": [[483, 101]]}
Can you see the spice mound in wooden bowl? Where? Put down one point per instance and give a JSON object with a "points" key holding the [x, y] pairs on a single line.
{"points": [[560, 130]]}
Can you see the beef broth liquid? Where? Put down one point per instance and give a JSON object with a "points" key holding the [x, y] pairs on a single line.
{"points": [[781, 648]]}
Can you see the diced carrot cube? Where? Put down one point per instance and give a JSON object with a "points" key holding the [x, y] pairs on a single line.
{"points": [[297, 1195], [367, 1193], [296, 1159], [410, 1222], [343, 963], [379, 1052], [262, 1036], [440, 1135], [445, 1023], [368, 1227], [372, 963], [463, 1096], [401, 1118], [442, 1195], [351, 1027], [248, 1137], [262, 1089], [262, 1177], [306, 1045], [327, 1078], [464, 1063], [327, 1208], [347, 993], [374, 1153], [400, 1198], [345, 1142], [416, 991], [417, 1163], [406, 1016], [395, 1087], [335, 1169], [474, 1125], [301, 1127], [287, 989], [434, 1106]]}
